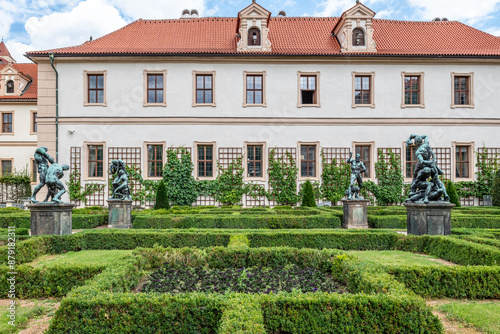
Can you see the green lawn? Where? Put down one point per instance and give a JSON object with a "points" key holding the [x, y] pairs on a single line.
{"points": [[483, 315], [82, 257], [23, 315], [397, 257]]}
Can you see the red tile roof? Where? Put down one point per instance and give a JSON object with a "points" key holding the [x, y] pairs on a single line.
{"points": [[288, 36], [3, 50], [31, 71]]}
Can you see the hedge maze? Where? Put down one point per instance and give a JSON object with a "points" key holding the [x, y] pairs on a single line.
{"points": [[380, 298]]}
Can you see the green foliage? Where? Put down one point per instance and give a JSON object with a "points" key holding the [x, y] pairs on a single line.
{"points": [[75, 189], [16, 185], [452, 192], [389, 189], [242, 314], [178, 178], [308, 199], [495, 190], [335, 179], [229, 183], [161, 201], [282, 179]]}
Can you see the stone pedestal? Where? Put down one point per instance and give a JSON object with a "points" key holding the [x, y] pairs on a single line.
{"points": [[120, 213], [355, 213], [51, 218], [433, 218]]}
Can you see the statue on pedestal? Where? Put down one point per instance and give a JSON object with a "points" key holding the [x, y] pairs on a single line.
{"points": [[49, 176], [357, 168], [121, 190], [426, 185]]}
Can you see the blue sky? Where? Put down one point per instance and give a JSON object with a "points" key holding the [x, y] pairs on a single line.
{"points": [[36, 25]]}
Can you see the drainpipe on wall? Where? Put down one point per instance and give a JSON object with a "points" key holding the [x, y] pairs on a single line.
{"points": [[51, 56]]}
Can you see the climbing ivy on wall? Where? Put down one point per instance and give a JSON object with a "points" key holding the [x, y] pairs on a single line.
{"points": [[78, 193], [178, 177], [282, 179], [335, 179]]}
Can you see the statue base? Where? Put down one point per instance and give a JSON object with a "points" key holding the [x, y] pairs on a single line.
{"points": [[355, 213], [119, 213], [432, 218], [51, 218]]}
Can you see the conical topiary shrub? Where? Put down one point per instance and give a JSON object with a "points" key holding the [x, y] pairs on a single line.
{"points": [[308, 197], [452, 192], [161, 201], [495, 189]]}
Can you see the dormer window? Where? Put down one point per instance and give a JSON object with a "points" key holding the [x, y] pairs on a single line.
{"points": [[10, 87], [358, 37], [253, 37]]}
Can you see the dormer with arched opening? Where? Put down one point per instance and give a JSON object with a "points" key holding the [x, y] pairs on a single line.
{"points": [[252, 29], [354, 30]]}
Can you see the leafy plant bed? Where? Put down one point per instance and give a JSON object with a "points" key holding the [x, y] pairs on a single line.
{"points": [[244, 280]]}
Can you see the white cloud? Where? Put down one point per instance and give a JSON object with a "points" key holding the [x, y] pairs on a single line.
{"points": [[495, 31], [334, 7], [154, 9], [18, 49], [385, 14], [467, 11]]}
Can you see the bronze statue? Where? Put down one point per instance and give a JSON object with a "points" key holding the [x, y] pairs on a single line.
{"points": [[357, 168], [49, 176], [426, 185], [121, 189]]}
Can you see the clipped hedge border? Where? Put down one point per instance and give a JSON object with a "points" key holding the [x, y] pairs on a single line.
{"points": [[103, 306], [236, 221], [53, 281], [23, 220]]}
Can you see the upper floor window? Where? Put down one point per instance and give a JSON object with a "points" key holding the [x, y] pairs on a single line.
{"points": [[204, 88], [155, 88], [362, 90], [253, 37], [7, 123], [254, 89], [358, 37], [10, 87], [308, 89], [413, 92], [95, 88], [96, 160], [462, 90]]}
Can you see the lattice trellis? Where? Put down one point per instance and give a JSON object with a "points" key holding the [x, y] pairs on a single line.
{"points": [[131, 156], [282, 152], [205, 200], [337, 153], [467, 201], [385, 152], [227, 155], [443, 157], [178, 155], [493, 153], [76, 165], [257, 201]]}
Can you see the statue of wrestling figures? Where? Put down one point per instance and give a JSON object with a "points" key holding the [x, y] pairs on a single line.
{"points": [[426, 185], [49, 176], [121, 189], [357, 168]]}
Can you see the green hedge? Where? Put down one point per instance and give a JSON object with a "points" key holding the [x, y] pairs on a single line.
{"points": [[53, 281], [450, 281], [387, 221], [332, 313], [235, 221], [84, 221], [482, 240], [457, 221]]}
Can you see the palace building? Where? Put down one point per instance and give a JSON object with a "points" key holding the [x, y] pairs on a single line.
{"points": [[315, 87]]}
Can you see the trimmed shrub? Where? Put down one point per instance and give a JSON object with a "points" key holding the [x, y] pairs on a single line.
{"points": [[161, 201], [495, 190], [308, 197], [387, 221], [452, 192]]}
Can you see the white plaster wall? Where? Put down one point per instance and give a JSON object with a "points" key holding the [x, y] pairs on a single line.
{"points": [[125, 90]]}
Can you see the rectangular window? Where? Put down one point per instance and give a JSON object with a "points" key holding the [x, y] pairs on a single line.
{"points": [[364, 151], [308, 89], [155, 160], [155, 88], [254, 160], [462, 161], [6, 167], [96, 160], [205, 160], [34, 171], [7, 123], [461, 90], [95, 88], [34, 125], [362, 89], [308, 160], [412, 89], [411, 160], [204, 88], [254, 89]]}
